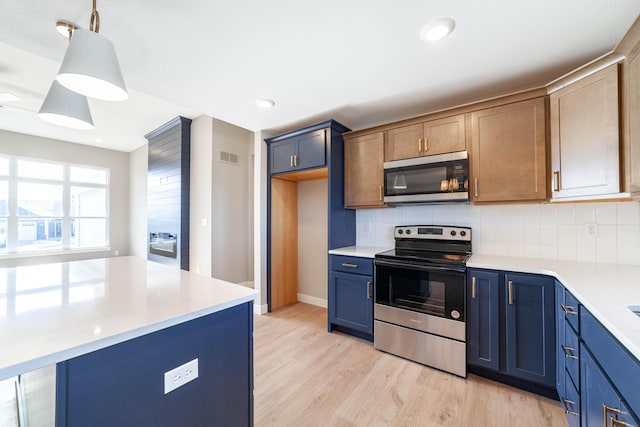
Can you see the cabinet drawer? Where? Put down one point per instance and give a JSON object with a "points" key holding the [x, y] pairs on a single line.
{"points": [[570, 351], [571, 404], [352, 264], [622, 368], [570, 308]]}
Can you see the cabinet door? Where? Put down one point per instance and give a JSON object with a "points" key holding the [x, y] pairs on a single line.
{"points": [[633, 121], [483, 322], [560, 356], [311, 150], [351, 301], [444, 135], [282, 156], [404, 142], [530, 328], [508, 152], [585, 136], [600, 401], [363, 176]]}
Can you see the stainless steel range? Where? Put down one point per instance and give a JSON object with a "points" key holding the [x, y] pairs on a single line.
{"points": [[420, 286]]}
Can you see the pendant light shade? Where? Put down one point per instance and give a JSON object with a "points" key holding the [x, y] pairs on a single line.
{"points": [[66, 108], [90, 67]]}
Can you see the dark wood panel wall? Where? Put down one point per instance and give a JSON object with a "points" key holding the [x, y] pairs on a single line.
{"points": [[168, 187]]}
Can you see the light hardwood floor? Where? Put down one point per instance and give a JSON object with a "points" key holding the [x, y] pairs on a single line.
{"points": [[305, 376]]}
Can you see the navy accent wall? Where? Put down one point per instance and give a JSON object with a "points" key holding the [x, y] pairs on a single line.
{"points": [[168, 189]]}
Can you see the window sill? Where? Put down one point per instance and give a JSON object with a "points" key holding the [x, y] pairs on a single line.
{"points": [[35, 254]]}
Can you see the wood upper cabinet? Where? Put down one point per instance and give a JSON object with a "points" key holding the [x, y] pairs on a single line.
{"points": [[363, 171], [633, 121], [508, 153], [585, 136], [439, 136]]}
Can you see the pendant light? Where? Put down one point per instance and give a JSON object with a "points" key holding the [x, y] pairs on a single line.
{"points": [[64, 107], [90, 65]]}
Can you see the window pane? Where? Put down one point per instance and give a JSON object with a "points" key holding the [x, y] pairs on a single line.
{"points": [[4, 166], [42, 170], [88, 175], [3, 236], [39, 199], [88, 201], [39, 234], [4, 198], [87, 233]]}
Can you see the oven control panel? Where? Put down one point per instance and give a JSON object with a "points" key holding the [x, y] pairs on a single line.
{"points": [[433, 232]]}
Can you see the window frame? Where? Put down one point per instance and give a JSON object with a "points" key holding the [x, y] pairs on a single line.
{"points": [[12, 248]]}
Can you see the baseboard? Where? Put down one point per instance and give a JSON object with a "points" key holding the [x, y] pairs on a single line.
{"points": [[260, 309], [320, 302]]}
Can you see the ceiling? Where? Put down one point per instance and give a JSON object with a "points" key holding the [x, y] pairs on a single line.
{"points": [[360, 62]]}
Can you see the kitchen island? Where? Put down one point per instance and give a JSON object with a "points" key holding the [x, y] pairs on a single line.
{"points": [[114, 326]]}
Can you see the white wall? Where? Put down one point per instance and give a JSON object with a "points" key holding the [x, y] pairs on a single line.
{"points": [[230, 203], [138, 164], [200, 195], [17, 144], [312, 241], [544, 231]]}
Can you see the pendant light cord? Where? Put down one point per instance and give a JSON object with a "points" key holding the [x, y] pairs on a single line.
{"points": [[95, 19]]}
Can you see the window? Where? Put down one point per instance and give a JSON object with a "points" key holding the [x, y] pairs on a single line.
{"points": [[47, 206]]}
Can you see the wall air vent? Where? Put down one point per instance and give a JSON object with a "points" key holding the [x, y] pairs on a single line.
{"points": [[229, 158]]}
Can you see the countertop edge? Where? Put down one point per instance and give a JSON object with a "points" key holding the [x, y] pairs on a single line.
{"points": [[66, 354], [358, 251]]}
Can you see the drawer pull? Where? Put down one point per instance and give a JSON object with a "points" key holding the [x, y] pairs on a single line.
{"points": [[473, 287], [569, 309], [565, 403], [567, 352], [344, 264]]}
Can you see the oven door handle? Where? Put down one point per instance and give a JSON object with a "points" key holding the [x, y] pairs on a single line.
{"points": [[420, 267]]}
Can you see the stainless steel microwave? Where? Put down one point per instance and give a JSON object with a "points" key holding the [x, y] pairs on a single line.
{"points": [[440, 178]]}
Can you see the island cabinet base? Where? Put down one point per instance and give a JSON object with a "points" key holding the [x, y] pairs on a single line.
{"points": [[123, 385]]}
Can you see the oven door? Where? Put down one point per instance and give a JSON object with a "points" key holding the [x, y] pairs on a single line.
{"points": [[432, 290]]}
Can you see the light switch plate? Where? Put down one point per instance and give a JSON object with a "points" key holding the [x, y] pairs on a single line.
{"points": [[177, 377]]}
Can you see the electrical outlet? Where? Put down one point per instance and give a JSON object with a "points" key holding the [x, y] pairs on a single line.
{"points": [[177, 377], [592, 229]]}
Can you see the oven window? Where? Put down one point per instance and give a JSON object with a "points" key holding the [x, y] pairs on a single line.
{"points": [[421, 290]]}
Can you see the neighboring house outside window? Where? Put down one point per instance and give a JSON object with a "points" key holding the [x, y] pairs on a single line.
{"points": [[52, 206]]}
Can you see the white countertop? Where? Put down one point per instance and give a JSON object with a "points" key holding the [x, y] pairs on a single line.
{"points": [[359, 251], [54, 312], [604, 289]]}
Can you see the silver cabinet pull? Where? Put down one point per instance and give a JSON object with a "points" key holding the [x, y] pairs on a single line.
{"points": [[291, 160], [419, 145], [556, 181], [380, 192], [510, 292], [368, 290], [426, 145], [565, 403], [473, 287], [295, 160], [476, 186], [344, 264], [568, 309], [567, 352]]}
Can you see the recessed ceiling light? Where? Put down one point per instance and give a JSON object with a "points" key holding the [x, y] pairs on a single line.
{"points": [[265, 103], [64, 28], [9, 97], [437, 29]]}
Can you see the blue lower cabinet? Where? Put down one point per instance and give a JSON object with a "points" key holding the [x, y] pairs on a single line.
{"points": [[511, 327], [351, 297], [601, 404], [123, 385], [483, 323], [530, 328]]}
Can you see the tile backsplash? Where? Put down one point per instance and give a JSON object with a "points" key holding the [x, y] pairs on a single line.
{"points": [[600, 232]]}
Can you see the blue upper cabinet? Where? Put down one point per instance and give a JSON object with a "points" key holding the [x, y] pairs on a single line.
{"points": [[530, 327], [483, 324], [299, 152]]}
